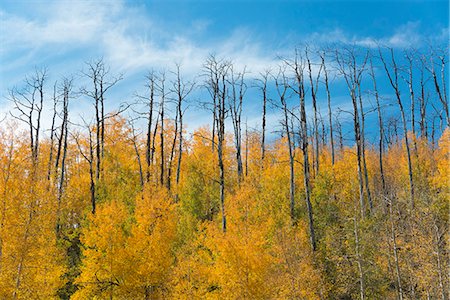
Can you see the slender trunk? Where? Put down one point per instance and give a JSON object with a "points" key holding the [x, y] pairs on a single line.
{"points": [[363, 150], [161, 134], [291, 165], [65, 132], [213, 143], [340, 136], [172, 154], [263, 136], [155, 131], [359, 260], [149, 126], [356, 128], [180, 150], [52, 134], [330, 115], [304, 146], [381, 131], [91, 173], [102, 121], [138, 157], [395, 250], [438, 253], [316, 128], [352, 75], [442, 96], [394, 83], [221, 139], [423, 128]]}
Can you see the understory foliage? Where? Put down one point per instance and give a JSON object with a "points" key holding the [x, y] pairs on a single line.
{"points": [[151, 243]]}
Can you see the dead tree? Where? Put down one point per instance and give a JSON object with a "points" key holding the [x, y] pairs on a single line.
{"points": [[88, 155], [172, 151], [217, 72], [181, 89], [381, 129], [440, 87], [151, 103], [314, 86], [262, 85], [330, 114], [99, 74], [363, 134], [339, 132], [410, 83], [236, 97], [67, 87], [52, 132], [298, 66], [422, 100], [134, 141], [393, 80], [282, 86], [28, 104], [162, 92], [348, 68]]}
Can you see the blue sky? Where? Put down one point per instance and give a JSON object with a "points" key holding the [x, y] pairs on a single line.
{"points": [[135, 36]]}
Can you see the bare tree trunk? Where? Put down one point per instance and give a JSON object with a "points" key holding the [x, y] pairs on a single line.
{"points": [[393, 79], [340, 136], [217, 78], [352, 74], [90, 159], [151, 86], [98, 73], [220, 146], [161, 131], [381, 130], [409, 81], [39, 80], [441, 94], [314, 86], [155, 131], [172, 153], [363, 149], [362, 287], [182, 90], [236, 102], [64, 131], [298, 68], [282, 88], [263, 87], [52, 133], [330, 115], [422, 103], [138, 155], [395, 250], [439, 265]]}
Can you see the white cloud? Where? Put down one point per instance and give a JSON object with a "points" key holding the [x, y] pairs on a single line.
{"points": [[407, 35], [124, 36]]}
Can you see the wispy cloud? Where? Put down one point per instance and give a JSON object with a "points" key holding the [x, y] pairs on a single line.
{"points": [[407, 35], [126, 38]]}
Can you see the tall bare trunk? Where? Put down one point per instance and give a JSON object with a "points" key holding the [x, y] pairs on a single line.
{"points": [[298, 68], [330, 114], [313, 86], [393, 79]]}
